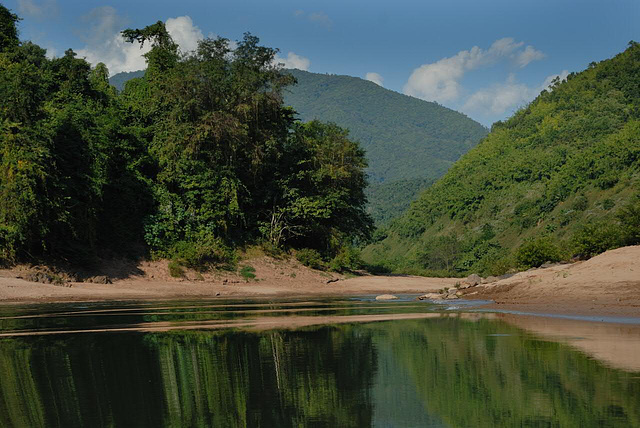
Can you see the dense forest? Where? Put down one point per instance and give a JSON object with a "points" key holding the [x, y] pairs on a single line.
{"points": [[409, 142], [559, 179], [196, 158]]}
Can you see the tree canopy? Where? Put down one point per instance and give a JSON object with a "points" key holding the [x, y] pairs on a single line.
{"points": [[196, 157]]}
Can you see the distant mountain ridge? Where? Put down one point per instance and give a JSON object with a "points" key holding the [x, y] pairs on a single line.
{"points": [[409, 142], [404, 137]]}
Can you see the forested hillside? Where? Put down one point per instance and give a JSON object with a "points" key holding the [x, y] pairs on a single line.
{"points": [[408, 142], [560, 178], [190, 161]]}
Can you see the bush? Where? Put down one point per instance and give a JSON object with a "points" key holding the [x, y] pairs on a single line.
{"points": [[310, 258], [175, 270], [348, 258], [202, 253], [580, 203], [596, 238], [629, 217], [272, 250], [534, 253], [248, 272], [607, 204]]}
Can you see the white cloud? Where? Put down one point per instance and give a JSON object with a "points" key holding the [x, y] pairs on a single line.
{"points": [[105, 43], [529, 54], [293, 61], [375, 78], [184, 32], [508, 96], [498, 98], [35, 9], [440, 81]]}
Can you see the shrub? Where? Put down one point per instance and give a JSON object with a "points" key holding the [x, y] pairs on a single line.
{"points": [[248, 272], [202, 253], [175, 270], [310, 258], [534, 253], [607, 204], [596, 238], [580, 203], [629, 217], [348, 258], [272, 250]]}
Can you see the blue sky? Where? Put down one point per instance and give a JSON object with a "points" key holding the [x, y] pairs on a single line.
{"points": [[484, 58]]}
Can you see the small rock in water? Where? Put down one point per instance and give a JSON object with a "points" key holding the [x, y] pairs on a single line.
{"points": [[386, 297]]}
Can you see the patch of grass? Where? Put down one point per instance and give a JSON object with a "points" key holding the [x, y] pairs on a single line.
{"points": [[175, 269], [292, 275], [248, 272]]}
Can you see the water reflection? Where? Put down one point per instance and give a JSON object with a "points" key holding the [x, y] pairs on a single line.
{"points": [[444, 370]]}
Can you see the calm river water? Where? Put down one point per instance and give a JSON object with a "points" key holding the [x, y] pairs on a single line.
{"points": [[334, 363]]}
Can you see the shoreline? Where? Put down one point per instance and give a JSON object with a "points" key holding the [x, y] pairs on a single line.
{"points": [[606, 285]]}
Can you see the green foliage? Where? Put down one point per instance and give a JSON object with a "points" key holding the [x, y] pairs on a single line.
{"points": [[203, 252], [248, 272], [192, 159], [389, 199], [310, 258], [61, 140], [629, 217], [175, 269], [596, 238], [8, 30], [347, 259], [534, 253], [555, 166]]}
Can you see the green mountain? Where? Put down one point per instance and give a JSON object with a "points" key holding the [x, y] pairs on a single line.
{"points": [[557, 179], [405, 137], [409, 142]]}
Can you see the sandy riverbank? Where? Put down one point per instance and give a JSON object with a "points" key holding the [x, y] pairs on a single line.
{"points": [[274, 278], [608, 284]]}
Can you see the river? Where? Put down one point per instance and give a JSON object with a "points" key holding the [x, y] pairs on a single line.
{"points": [[332, 362]]}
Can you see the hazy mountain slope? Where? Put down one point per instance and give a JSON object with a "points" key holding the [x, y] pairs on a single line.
{"points": [[118, 80], [554, 169], [409, 142]]}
